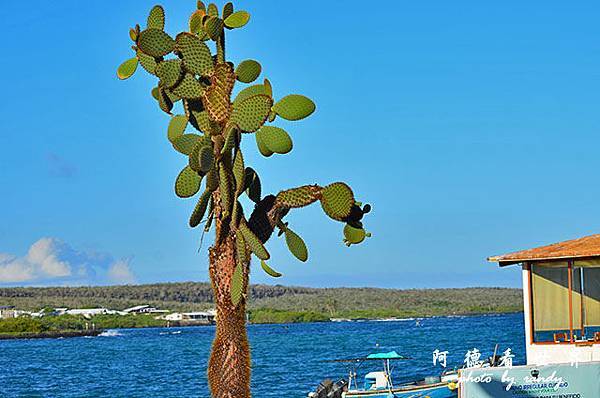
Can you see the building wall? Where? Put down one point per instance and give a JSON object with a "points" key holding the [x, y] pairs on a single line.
{"points": [[174, 317], [542, 354], [8, 313]]}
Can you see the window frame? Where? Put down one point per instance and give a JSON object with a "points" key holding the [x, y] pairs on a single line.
{"points": [[571, 330]]}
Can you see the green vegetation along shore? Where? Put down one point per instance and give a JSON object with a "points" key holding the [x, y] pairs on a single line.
{"points": [[71, 325], [269, 304]]}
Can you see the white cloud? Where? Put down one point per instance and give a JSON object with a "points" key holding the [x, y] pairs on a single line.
{"points": [[14, 270], [120, 273], [44, 254], [51, 261]]}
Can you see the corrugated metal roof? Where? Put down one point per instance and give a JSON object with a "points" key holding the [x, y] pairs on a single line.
{"points": [[586, 247]]}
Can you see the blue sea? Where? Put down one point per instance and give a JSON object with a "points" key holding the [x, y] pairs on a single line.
{"points": [[288, 360]]}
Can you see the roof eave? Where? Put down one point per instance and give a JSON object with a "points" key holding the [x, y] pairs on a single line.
{"points": [[503, 261]]}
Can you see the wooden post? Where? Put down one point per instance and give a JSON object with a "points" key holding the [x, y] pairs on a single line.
{"points": [[531, 330], [581, 302], [570, 277]]}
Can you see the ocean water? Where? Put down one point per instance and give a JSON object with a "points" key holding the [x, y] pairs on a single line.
{"points": [[288, 360]]}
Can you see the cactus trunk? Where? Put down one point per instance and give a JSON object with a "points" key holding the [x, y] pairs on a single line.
{"points": [[229, 364]]}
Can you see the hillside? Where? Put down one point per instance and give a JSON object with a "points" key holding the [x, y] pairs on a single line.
{"points": [[277, 303]]}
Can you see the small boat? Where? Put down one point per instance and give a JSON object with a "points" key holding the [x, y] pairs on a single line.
{"points": [[380, 385]]}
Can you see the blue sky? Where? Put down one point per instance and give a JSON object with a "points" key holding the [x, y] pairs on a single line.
{"points": [[472, 128]]}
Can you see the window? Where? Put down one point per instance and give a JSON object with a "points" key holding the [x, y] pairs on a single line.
{"points": [[565, 303], [591, 303]]}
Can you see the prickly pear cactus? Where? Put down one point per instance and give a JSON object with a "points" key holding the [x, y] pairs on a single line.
{"points": [[194, 86]]}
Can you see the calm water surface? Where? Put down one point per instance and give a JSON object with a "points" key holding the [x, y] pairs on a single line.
{"points": [[287, 359]]}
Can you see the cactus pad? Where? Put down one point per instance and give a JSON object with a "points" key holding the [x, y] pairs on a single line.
{"points": [[227, 9], [238, 213], [299, 197], [176, 127], [248, 71], [193, 161], [296, 245], [225, 188], [172, 96], [155, 42], [188, 87], [190, 106], [213, 10], [195, 53], [294, 107], [199, 120], [127, 68], [224, 77], [169, 72], [199, 117], [210, 216], [252, 113], [164, 101], [200, 209], [252, 184], [240, 249], [238, 172], [156, 19], [337, 200], [268, 88], [231, 136], [206, 158], [353, 236], [213, 26], [251, 91], [237, 19], [270, 271], [185, 143], [253, 242], [212, 179], [187, 183], [148, 62], [195, 21], [216, 102], [262, 148], [237, 284], [276, 140]]}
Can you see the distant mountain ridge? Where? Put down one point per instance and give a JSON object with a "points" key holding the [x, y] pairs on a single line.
{"points": [[333, 302]]}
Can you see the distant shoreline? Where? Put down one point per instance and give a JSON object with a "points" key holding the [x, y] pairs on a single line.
{"points": [[267, 304], [96, 332], [403, 318], [50, 335]]}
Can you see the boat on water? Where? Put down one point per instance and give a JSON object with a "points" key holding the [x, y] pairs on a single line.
{"points": [[379, 384]]}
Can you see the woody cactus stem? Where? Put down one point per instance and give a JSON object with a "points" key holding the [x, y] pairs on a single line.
{"points": [[229, 363], [191, 78]]}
